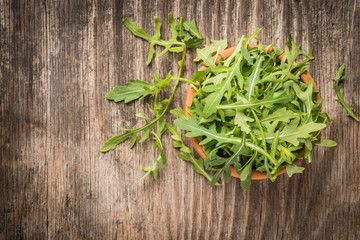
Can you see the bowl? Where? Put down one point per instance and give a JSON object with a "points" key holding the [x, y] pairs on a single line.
{"points": [[195, 142]]}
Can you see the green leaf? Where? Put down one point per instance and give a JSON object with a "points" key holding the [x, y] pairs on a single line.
{"points": [[140, 115], [254, 79], [149, 169], [214, 99], [306, 97], [288, 153], [133, 140], [280, 76], [200, 76], [191, 40], [246, 172], [280, 114], [145, 136], [191, 27], [114, 141], [179, 112], [135, 89], [156, 39], [196, 130], [205, 57], [237, 151], [245, 184], [338, 87], [247, 56], [188, 156], [211, 134], [327, 143], [268, 101], [241, 120], [291, 169], [208, 51], [293, 131]]}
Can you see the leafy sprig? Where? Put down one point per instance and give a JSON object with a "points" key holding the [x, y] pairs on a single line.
{"points": [[176, 43], [187, 154], [339, 89], [184, 34]]}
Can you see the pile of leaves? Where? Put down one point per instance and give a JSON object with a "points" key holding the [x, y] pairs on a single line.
{"points": [[250, 111], [253, 111]]}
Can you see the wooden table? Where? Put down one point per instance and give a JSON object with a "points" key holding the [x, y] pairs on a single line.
{"points": [[58, 60]]}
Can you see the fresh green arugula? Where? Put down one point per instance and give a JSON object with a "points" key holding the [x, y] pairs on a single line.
{"points": [[339, 89], [250, 110], [184, 35]]}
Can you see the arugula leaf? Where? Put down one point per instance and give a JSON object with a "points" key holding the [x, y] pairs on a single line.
{"points": [[291, 56], [293, 131], [291, 169], [280, 114], [187, 154], [159, 110], [138, 89], [306, 97], [135, 89], [245, 184], [192, 40], [196, 130], [205, 54], [288, 153], [156, 39], [339, 89], [327, 143], [254, 79], [280, 76], [241, 120], [268, 101], [214, 99], [237, 151]]}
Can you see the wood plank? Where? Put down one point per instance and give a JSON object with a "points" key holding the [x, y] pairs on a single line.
{"points": [[58, 60]]}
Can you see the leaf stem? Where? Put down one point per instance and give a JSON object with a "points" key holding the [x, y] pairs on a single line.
{"points": [[185, 80]]}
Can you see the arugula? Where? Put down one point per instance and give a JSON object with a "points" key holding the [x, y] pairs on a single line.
{"points": [[178, 40], [184, 34], [268, 101], [187, 154], [252, 111], [135, 89], [327, 143], [214, 99], [226, 167], [193, 39], [339, 89], [205, 54], [138, 89]]}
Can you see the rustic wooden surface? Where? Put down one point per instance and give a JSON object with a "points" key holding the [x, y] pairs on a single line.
{"points": [[59, 58]]}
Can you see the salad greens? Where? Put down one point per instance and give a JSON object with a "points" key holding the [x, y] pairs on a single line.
{"points": [[338, 87], [250, 110], [184, 35]]}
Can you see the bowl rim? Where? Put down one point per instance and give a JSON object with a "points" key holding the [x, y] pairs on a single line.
{"points": [[255, 175]]}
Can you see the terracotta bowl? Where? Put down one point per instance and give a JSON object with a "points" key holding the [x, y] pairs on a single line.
{"points": [[195, 142]]}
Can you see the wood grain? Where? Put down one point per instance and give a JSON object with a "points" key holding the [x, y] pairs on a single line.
{"points": [[59, 58]]}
